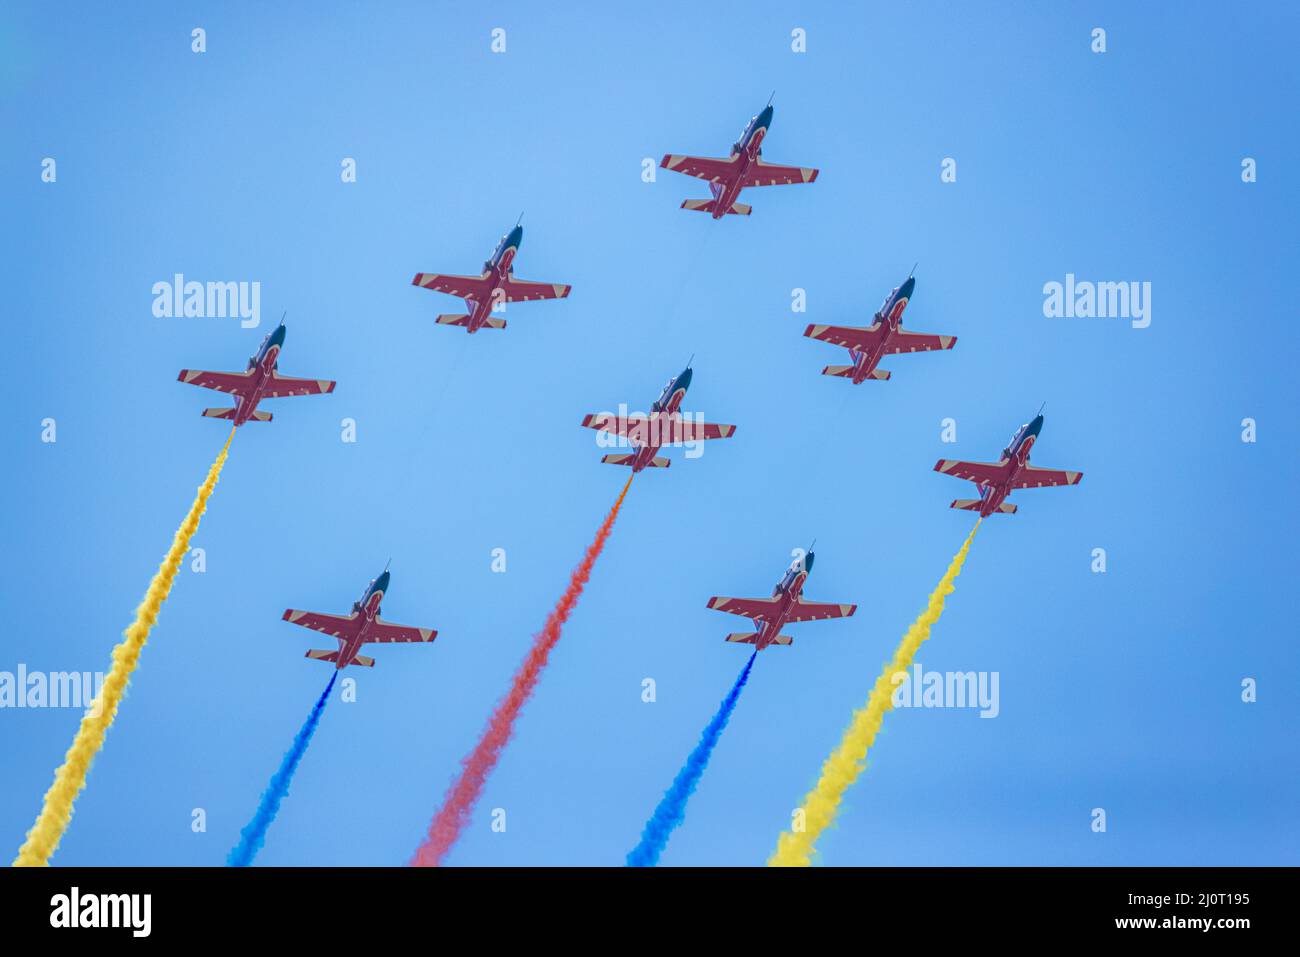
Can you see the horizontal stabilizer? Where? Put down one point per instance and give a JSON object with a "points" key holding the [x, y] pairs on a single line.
{"points": [[751, 637], [710, 205], [973, 505], [322, 655], [364, 661], [625, 458], [453, 319], [846, 372], [219, 413]]}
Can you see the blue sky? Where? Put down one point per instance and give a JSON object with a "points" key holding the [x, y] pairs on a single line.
{"points": [[1119, 690]]}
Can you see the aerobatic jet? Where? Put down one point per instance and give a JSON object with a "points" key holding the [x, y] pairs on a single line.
{"points": [[743, 168], [786, 606], [997, 480], [363, 626], [261, 380], [884, 337], [665, 425], [495, 287]]}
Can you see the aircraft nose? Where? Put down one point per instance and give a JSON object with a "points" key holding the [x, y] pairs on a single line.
{"points": [[381, 583], [277, 337], [808, 562], [906, 289], [765, 118], [684, 380], [516, 237], [1036, 426]]}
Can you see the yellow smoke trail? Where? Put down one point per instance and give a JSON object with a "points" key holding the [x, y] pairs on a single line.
{"points": [[70, 778], [846, 762]]}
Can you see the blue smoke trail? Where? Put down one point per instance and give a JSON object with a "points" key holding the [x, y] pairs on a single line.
{"points": [[672, 808], [254, 833]]}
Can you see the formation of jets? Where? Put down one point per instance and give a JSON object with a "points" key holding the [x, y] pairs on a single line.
{"points": [[665, 424]]}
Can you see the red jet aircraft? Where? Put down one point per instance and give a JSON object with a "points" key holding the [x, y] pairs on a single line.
{"points": [[496, 286], [261, 380], [744, 167], [884, 337], [663, 426], [361, 627], [997, 480], [784, 607]]}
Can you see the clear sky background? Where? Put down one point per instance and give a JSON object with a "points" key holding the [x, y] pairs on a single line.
{"points": [[1119, 690]]}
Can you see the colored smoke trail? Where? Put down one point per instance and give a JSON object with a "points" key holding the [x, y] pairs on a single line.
{"points": [[70, 778], [253, 835], [478, 764], [672, 807], [795, 847]]}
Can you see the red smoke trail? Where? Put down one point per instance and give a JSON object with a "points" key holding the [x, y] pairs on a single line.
{"points": [[478, 764]]}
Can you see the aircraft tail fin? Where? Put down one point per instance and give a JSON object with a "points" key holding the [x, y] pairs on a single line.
{"points": [[711, 205]]}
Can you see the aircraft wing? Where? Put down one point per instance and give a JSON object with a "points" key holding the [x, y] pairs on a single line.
{"points": [[917, 342], [462, 287], [282, 385], [522, 290], [657, 429], [701, 167], [386, 632], [234, 383], [819, 611], [340, 626], [747, 607], [850, 337], [770, 174], [985, 473], [1031, 476]]}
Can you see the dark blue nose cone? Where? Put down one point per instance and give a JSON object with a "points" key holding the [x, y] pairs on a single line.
{"points": [[516, 237], [277, 337], [381, 583], [684, 380], [765, 118], [1036, 426], [905, 290], [808, 562]]}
